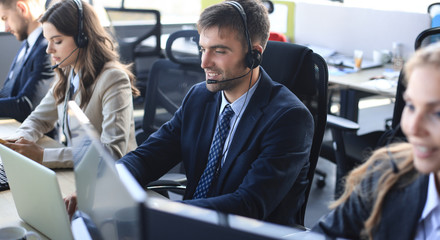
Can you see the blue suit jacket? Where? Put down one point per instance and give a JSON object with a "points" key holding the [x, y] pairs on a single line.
{"points": [[401, 211], [265, 171], [30, 85]]}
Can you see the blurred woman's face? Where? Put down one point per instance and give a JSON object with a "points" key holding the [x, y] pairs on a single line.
{"points": [[421, 117], [60, 46]]}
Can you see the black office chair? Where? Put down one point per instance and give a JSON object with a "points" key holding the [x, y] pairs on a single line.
{"points": [[305, 73], [169, 81], [348, 149], [132, 28]]}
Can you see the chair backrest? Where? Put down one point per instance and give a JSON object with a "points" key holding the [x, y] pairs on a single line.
{"points": [[170, 79], [305, 73], [424, 38], [138, 32], [132, 27]]}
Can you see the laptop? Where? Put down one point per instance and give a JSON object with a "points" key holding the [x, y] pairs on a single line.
{"points": [[36, 194]]}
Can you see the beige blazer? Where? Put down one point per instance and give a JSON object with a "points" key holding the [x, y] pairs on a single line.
{"points": [[110, 111]]}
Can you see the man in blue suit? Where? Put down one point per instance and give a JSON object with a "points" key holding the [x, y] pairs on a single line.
{"points": [[261, 166], [30, 75]]}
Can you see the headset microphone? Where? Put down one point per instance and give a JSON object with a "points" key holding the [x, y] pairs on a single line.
{"points": [[390, 155], [58, 64], [212, 81]]}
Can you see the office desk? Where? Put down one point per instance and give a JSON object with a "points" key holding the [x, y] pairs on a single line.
{"points": [[356, 85], [8, 127]]}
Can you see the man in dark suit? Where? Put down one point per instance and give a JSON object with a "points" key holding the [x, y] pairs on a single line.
{"points": [[259, 169], [30, 75]]}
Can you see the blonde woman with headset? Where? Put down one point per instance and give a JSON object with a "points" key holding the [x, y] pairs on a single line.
{"points": [[396, 193]]}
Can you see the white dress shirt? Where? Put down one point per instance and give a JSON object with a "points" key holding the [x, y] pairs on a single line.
{"points": [[238, 106], [429, 223]]}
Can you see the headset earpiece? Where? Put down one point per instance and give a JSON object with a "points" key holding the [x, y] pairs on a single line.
{"points": [[81, 39], [253, 59]]}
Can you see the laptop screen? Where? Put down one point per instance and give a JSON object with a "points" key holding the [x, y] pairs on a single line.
{"points": [[107, 194]]}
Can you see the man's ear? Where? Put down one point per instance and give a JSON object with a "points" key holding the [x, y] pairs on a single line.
{"points": [[23, 8], [258, 47]]}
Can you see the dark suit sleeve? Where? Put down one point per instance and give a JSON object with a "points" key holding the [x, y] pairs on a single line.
{"points": [[158, 154], [274, 169], [32, 85]]}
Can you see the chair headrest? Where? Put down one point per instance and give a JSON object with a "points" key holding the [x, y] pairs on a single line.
{"points": [[182, 58], [291, 65]]}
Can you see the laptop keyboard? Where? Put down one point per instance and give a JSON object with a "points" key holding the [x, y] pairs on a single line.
{"points": [[3, 180]]}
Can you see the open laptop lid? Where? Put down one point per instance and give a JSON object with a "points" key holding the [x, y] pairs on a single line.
{"points": [[36, 194], [106, 193]]}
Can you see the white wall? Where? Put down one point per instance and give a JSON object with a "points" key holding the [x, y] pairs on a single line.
{"points": [[347, 28]]}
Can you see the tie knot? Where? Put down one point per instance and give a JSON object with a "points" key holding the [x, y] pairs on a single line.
{"points": [[228, 112]]}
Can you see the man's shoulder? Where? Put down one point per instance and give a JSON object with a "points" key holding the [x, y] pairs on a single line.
{"points": [[279, 93], [39, 50]]}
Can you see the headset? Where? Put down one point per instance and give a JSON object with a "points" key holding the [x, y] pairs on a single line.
{"points": [[253, 57], [81, 39], [393, 162]]}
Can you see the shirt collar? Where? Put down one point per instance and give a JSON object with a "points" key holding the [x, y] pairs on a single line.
{"points": [[432, 200], [75, 79], [240, 103], [32, 38]]}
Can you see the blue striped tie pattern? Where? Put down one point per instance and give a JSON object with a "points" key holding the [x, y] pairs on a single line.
{"points": [[215, 153]]}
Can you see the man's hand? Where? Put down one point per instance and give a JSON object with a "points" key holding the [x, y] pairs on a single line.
{"points": [[70, 203]]}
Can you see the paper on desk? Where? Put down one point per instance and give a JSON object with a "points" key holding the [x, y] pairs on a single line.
{"points": [[334, 71], [323, 51], [381, 84]]}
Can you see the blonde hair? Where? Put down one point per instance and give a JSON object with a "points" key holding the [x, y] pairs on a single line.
{"points": [[427, 56], [379, 163]]}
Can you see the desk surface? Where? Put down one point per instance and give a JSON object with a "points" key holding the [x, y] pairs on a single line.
{"points": [[361, 81]]}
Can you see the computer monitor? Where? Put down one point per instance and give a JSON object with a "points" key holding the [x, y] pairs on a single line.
{"points": [[110, 201], [167, 220]]}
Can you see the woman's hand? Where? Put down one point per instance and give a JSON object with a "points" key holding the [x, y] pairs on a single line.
{"points": [[27, 148]]}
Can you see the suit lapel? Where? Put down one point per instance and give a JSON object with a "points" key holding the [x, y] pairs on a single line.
{"points": [[247, 124], [14, 66], [35, 47], [30, 56], [204, 138], [407, 204]]}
